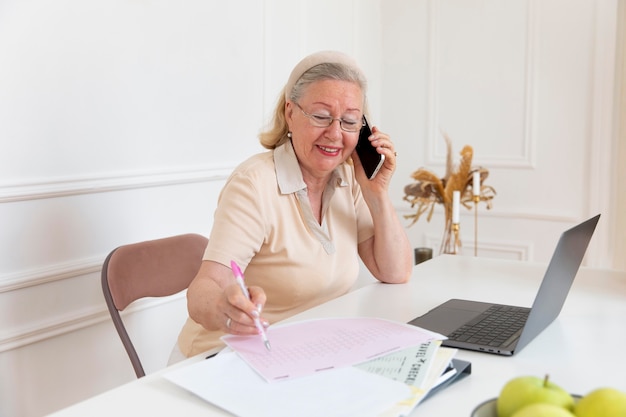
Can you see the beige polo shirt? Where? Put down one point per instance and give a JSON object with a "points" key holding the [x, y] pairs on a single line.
{"points": [[265, 223]]}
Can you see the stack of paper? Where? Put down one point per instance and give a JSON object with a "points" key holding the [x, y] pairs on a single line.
{"points": [[330, 367]]}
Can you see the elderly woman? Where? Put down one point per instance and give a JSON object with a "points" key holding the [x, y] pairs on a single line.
{"points": [[297, 218]]}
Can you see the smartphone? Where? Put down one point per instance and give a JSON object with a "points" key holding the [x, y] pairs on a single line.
{"points": [[370, 158]]}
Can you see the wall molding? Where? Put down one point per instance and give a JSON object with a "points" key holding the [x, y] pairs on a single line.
{"points": [[527, 159], [52, 273], [64, 187], [602, 144], [516, 250], [77, 320], [402, 208]]}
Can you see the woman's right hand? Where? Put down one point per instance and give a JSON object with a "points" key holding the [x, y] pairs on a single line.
{"points": [[215, 301], [240, 312]]}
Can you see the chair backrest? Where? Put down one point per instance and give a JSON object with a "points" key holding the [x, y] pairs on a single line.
{"points": [[154, 268]]}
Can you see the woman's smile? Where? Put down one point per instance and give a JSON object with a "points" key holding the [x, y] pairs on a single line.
{"points": [[330, 151]]}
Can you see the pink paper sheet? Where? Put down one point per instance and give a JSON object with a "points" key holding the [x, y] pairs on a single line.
{"points": [[312, 346]]}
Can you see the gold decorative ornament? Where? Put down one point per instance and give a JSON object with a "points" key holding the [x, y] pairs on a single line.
{"points": [[428, 190]]}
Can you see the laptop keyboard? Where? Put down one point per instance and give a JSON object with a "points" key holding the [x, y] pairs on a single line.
{"points": [[494, 327]]}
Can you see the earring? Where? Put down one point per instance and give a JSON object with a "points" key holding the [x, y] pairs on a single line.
{"points": [[289, 135]]}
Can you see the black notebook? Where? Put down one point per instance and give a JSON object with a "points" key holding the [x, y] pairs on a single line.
{"points": [[461, 370], [518, 325]]}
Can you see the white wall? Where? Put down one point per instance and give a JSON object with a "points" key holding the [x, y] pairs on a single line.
{"points": [[530, 86], [119, 121], [620, 125]]}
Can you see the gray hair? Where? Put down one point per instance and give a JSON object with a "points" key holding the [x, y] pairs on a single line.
{"points": [[276, 134], [327, 71]]}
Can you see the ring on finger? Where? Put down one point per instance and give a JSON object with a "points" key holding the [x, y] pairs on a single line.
{"points": [[228, 322]]}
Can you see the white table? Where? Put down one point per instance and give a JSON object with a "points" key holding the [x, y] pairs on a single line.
{"points": [[581, 350]]}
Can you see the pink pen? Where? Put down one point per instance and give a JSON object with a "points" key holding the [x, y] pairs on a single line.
{"points": [[257, 322]]}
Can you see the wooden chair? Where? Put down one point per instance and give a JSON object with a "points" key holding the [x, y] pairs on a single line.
{"points": [[154, 268]]}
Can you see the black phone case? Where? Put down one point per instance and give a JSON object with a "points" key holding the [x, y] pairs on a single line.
{"points": [[370, 158]]}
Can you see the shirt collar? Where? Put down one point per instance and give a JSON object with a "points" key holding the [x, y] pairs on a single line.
{"points": [[288, 171]]}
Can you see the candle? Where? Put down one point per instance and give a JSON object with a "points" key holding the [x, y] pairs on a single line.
{"points": [[476, 183], [456, 202]]}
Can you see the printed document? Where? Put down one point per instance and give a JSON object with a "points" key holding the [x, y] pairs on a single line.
{"points": [[312, 346]]}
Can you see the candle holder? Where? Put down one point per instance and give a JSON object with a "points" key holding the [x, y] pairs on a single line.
{"points": [[476, 199]]}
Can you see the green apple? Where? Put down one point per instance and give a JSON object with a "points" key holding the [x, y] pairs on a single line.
{"points": [[542, 410], [605, 402], [525, 390]]}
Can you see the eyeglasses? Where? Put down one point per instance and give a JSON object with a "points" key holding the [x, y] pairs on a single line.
{"points": [[320, 120]]}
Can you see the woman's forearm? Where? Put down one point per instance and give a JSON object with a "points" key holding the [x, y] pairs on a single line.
{"points": [[390, 252]]}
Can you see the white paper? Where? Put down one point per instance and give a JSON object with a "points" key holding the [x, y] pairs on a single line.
{"points": [[229, 383]]}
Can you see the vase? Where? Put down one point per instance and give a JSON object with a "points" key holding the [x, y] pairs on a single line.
{"points": [[451, 242]]}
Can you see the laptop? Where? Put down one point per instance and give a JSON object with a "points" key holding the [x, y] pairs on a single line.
{"points": [[466, 322]]}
